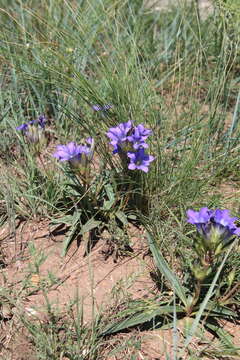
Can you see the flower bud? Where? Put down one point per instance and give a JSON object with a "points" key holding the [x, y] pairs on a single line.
{"points": [[34, 131], [218, 249], [200, 273]]}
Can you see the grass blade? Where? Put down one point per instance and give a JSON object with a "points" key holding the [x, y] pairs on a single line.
{"points": [[165, 269]]}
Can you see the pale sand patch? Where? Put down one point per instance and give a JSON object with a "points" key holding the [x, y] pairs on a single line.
{"points": [[205, 6]]}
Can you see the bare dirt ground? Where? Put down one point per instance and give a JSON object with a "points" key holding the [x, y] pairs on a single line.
{"points": [[96, 282], [99, 283], [90, 276]]}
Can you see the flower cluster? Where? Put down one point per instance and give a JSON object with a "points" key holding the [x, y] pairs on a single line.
{"points": [[34, 129], [215, 226], [131, 140], [76, 155]]}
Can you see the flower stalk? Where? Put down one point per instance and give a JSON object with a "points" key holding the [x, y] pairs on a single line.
{"points": [[196, 297]]}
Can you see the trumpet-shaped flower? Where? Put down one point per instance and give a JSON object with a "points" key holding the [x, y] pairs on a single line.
{"points": [[119, 134], [199, 217], [129, 142], [22, 127], [214, 225], [77, 155], [139, 160], [68, 152], [41, 121], [139, 136], [224, 224]]}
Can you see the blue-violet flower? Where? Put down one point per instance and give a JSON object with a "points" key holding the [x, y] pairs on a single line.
{"points": [[139, 136], [76, 155], [139, 160], [118, 135], [214, 224], [33, 130]]}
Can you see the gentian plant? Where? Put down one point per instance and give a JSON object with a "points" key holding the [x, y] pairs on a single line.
{"points": [[34, 132], [78, 157], [96, 202], [119, 136], [106, 193], [139, 136], [206, 290], [139, 160]]}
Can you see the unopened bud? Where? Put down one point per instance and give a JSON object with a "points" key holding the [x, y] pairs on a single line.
{"points": [[200, 273], [218, 249]]}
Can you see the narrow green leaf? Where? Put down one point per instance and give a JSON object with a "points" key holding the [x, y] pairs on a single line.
{"points": [[122, 217], [68, 240], [235, 121], [140, 318], [132, 217], [72, 233], [68, 220], [109, 191], [111, 197], [219, 310], [90, 224], [226, 340], [165, 269]]}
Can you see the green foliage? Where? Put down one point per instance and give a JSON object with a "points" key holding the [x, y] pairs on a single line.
{"points": [[230, 10], [170, 70], [64, 336]]}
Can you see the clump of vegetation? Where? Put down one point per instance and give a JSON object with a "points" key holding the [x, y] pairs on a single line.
{"points": [[139, 124]]}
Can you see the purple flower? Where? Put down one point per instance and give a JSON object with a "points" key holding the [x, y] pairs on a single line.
{"points": [[139, 160], [139, 136], [77, 155], [33, 133], [90, 141], [199, 217], [22, 127], [68, 152], [225, 224], [214, 225], [119, 134], [125, 139], [41, 121], [98, 107]]}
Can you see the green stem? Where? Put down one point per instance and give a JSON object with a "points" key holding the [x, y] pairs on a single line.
{"points": [[195, 297]]}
